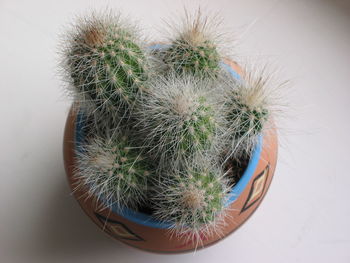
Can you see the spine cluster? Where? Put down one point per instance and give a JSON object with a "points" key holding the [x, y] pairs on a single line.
{"points": [[179, 121]]}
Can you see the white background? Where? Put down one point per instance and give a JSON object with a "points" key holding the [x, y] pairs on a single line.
{"points": [[306, 213]]}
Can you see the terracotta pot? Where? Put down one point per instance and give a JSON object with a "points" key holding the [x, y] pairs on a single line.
{"points": [[141, 230]]}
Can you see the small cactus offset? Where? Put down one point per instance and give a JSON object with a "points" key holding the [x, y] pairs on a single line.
{"points": [[192, 122], [178, 118], [113, 171], [107, 64], [193, 199], [247, 110], [193, 50]]}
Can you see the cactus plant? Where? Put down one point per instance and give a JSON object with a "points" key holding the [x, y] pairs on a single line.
{"points": [[178, 118], [113, 171], [247, 110], [106, 64], [193, 49], [192, 198], [190, 135]]}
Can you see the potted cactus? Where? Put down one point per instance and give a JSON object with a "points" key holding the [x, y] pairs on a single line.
{"points": [[168, 147]]}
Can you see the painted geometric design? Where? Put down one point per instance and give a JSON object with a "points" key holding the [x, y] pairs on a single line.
{"points": [[257, 189], [117, 229]]}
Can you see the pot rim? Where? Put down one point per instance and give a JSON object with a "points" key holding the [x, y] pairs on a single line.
{"points": [[146, 219]]}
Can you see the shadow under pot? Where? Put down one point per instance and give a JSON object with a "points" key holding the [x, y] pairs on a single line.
{"points": [[141, 230]]}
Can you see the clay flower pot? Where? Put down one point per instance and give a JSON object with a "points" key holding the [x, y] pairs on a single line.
{"points": [[141, 230]]}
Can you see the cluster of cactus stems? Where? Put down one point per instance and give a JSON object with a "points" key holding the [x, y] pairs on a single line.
{"points": [[156, 137]]}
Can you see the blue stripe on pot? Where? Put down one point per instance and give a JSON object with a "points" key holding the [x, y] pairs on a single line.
{"points": [[146, 219], [230, 70]]}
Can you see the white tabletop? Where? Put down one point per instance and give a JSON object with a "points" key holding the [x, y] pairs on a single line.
{"points": [[306, 213]]}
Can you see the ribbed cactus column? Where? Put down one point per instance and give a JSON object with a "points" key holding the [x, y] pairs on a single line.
{"points": [[192, 199], [106, 63], [247, 109], [113, 171], [193, 50], [251, 119], [178, 118], [201, 58]]}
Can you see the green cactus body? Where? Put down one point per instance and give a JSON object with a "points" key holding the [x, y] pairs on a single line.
{"points": [[177, 118], [251, 121], [198, 129], [193, 199], [114, 171], [247, 110], [200, 60], [107, 66]]}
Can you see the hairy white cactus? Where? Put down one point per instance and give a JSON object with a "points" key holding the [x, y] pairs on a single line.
{"points": [[192, 198], [106, 65], [113, 171], [248, 108], [193, 46], [179, 118]]}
